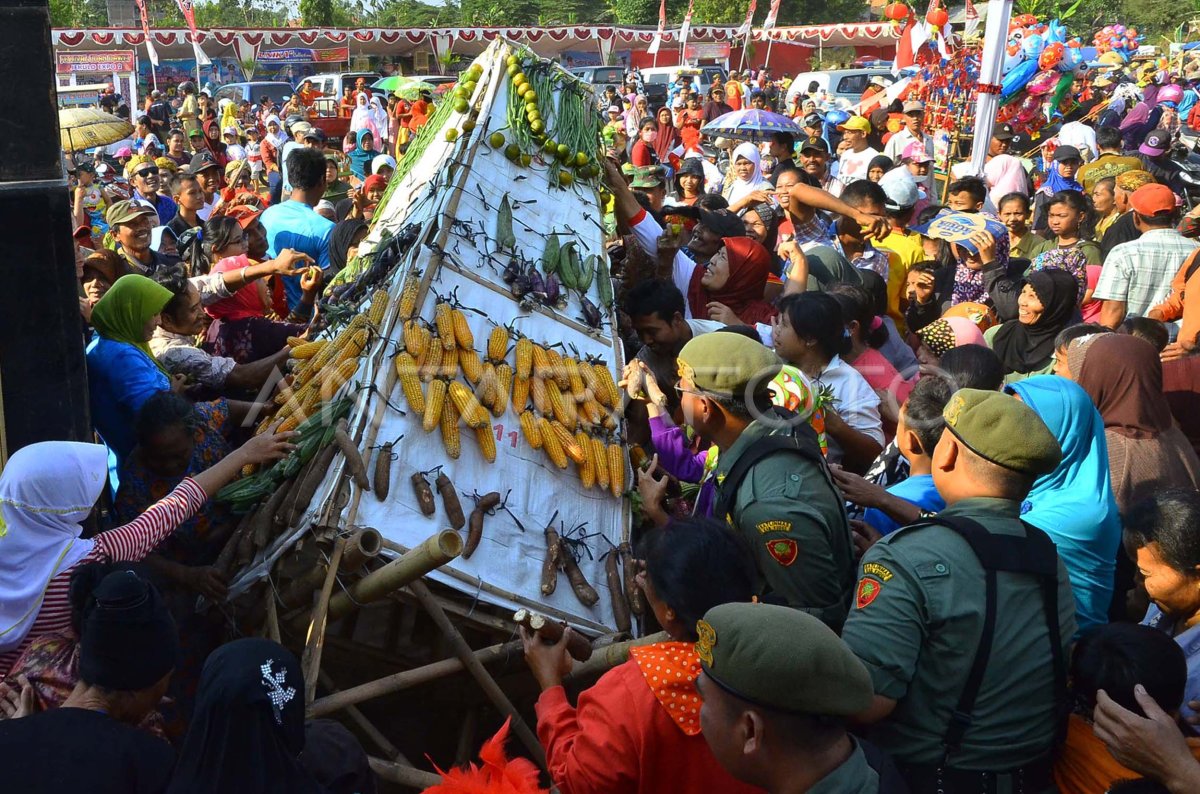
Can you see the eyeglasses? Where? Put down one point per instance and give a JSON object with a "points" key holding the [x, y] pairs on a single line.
{"points": [[148, 171], [682, 391]]}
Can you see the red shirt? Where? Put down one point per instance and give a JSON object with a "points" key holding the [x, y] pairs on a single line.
{"points": [[620, 738]]}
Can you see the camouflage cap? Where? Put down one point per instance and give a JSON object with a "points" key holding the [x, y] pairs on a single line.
{"points": [[649, 176]]}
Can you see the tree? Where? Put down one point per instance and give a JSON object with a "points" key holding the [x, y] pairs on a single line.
{"points": [[634, 12], [317, 13]]}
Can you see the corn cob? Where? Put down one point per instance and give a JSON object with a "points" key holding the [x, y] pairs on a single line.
{"points": [[610, 420], [416, 337], [296, 341], [285, 393], [569, 445], [504, 379], [551, 443], [410, 382], [487, 385], [558, 369], [556, 402], [497, 346], [462, 331], [541, 362], [450, 438], [531, 429], [606, 392], [472, 367], [571, 420], [310, 400], [434, 402], [379, 304], [431, 366], [588, 374], [524, 358], [450, 363], [308, 350], [599, 457], [408, 296], [291, 423], [575, 380], [616, 469], [591, 412], [537, 390], [352, 348], [445, 324], [338, 378], [587, 469], [487, 442], [468, 407], [520, 393]]}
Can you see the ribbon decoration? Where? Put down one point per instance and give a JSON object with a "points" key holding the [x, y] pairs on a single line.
{"points": [[189, 16]]}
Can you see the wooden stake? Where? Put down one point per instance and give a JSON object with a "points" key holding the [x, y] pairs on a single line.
{"points": [[373, 733], [490, 688], [403, 775], [311, 661]]}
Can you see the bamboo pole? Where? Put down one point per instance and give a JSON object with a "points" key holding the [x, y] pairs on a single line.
{"points": [[606, 657], [490, 688], [360, 547], [403, 775], [398, 682], [368, 728], [311, 661], [436, 551]]}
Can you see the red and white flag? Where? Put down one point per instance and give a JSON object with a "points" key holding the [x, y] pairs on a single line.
{"points": [[658, 34], [772, 15], [189, 16], [686, 26], [153, 53], [971, 26], [744, 30]]}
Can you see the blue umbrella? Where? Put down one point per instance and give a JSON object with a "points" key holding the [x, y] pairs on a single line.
{"points": [[750, 125]]}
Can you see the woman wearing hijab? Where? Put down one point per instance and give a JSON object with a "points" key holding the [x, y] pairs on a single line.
{"points": [[247, 731], [1147, 451], [363, 118], [729, 289], [1047, 305], [638, 110], [380, 117], [879, 166], [943, 335], [1074, 504], [343, 251], [212, 139], [642, 153], [668, 134], [101, 269], [46, 490], [1060, 176], [363, 153], [748, 178], [689, 182]]}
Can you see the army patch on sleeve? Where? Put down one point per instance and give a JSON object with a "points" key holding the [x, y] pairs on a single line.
{"points": [[875, 569], [867, 590], [774, 526], [785, 550]]}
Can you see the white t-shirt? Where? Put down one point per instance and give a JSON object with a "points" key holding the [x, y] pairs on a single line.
{"points": [[853, 165], [1082, 137]]}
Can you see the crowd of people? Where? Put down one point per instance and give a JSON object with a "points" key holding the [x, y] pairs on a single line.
{"points": [[916, 477]]}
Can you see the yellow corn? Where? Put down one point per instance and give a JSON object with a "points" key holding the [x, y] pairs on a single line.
{"points": [[589, 377], [599, 457], [556, 402], [450, 363], [575, 380], [551, 443], [308, 350], [487, 442], [558, 370], [431, 366], [468, 407], [352, 348], [504, 379], [531, 429], [249, 469], [571, 413], [291, 423], [445, 324], [434, 402], [520, 393], [616, 469], [569, 445], [462, 331], [450, 438], [285, 393], [410, 382], [524, 358], [416, 338], [587, 469], [541, 362], [610, 420], [537, 390], [486, 388], [310, 399], [296, 341], [592, 412], [472, 367], [338, 378], [606, 392], [408, 296], [379, 304], [497, 346]]}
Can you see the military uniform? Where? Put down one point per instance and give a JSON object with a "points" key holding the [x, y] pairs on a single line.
{"points": [[787, 661], [919, 619], [772, 484]]}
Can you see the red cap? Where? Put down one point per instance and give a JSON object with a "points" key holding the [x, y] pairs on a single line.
{"points": [[244, 214], [1152, 200]]}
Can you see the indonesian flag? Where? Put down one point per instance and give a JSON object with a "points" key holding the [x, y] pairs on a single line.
{"points": [[153, 53], [769, 22], [906, 49], [971, 26], [189, 16], [658, 34], [686, 26], [744, 30]]}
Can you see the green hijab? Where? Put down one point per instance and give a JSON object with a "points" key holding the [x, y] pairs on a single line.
{"points": [[122, 313]]}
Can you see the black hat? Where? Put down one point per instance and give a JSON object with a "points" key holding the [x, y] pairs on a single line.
{"points": [[1064, 153], [1003, 132], [722, 223], [129, 641], [691, 165], [815, 142], [813, 120], [202, 161]]}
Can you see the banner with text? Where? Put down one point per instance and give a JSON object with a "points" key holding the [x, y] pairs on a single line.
{"points": [[303, 55], [107, 61]]}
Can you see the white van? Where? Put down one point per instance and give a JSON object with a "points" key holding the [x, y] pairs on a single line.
{"points": [[840, 84]]}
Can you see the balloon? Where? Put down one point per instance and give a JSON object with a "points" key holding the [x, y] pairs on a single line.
{"points": [[1042, 83], [1015, 80], [1071, 58], [1051, 56], [1061, 89], [1012, 59], [1056, 32], [1033, 46], [1028, 109]]}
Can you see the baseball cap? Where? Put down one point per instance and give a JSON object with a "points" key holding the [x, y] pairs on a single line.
{"points": [[229, 131], [244, 214], [916, 152], [813, 120], [914, 107], [125, 211], [196, 133], [1156, 143], [1152, 200], [1064, 153], [859, 123], [1003, 132], [300, 130], [815, 142], [202, 162], [900, 188], [722, 223], [614, 109]]}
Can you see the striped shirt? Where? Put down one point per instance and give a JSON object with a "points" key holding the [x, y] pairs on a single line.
{"points": [[128, 543], [1140, 272]]}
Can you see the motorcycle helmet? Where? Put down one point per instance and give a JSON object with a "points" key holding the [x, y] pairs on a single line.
{"points": [[835, 117], [187, 86], [290, 120], [1170, 93]]}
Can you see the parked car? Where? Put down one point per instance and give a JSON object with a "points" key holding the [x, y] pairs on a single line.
{"points": [[844, 85], [601, 77], [657, 80], [254, 91], [330, 84]]}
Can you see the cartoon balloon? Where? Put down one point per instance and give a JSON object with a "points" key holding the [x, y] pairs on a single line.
{"points": [[1051, 56], [1032, 46], [1012, 59], [1015, 80], [1071, 58], [1043, 82], [1028, 109]]}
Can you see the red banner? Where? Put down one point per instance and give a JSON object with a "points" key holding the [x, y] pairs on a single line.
{"points": [[189, 15], [772, 15]]}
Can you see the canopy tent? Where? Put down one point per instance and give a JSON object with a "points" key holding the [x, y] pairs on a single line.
{"points": [[854, 34]]}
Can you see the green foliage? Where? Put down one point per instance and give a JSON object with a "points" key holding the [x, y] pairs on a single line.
{"points": [[634, 12], [317, 13]]}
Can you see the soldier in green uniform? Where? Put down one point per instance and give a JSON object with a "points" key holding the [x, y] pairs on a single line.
{"points": [[778, 688], [771, 480], [964, 620]]}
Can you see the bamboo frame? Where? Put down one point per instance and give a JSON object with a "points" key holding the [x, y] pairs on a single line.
{"points": [[403, 775], [436, 551], [311, 660]]}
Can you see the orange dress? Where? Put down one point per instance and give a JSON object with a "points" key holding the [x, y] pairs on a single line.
{"points": [[1085, 766]]}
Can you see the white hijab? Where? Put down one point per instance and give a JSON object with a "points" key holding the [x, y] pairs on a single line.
{"points": [[363, 118], [45, 491], [277, 138], [379, 115], [739, 188]]}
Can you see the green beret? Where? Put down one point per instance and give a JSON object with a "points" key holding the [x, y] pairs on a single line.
{"points": [[1003, 430], [782, 659], [725, 364]]}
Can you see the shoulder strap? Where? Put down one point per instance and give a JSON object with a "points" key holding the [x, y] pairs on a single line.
{"points": [[799, 442], [890, 780], [1034, 555], [1192, 265]]}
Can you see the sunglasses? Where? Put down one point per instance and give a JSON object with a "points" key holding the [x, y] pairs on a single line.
{"points": [[148, 171]]}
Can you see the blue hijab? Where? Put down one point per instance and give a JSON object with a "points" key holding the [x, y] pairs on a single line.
{"points": [[1074, 504], [360, 158], [1055, 181]]}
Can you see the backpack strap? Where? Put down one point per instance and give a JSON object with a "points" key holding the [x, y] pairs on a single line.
{"points": [[802, 442], [1034, 555]]}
